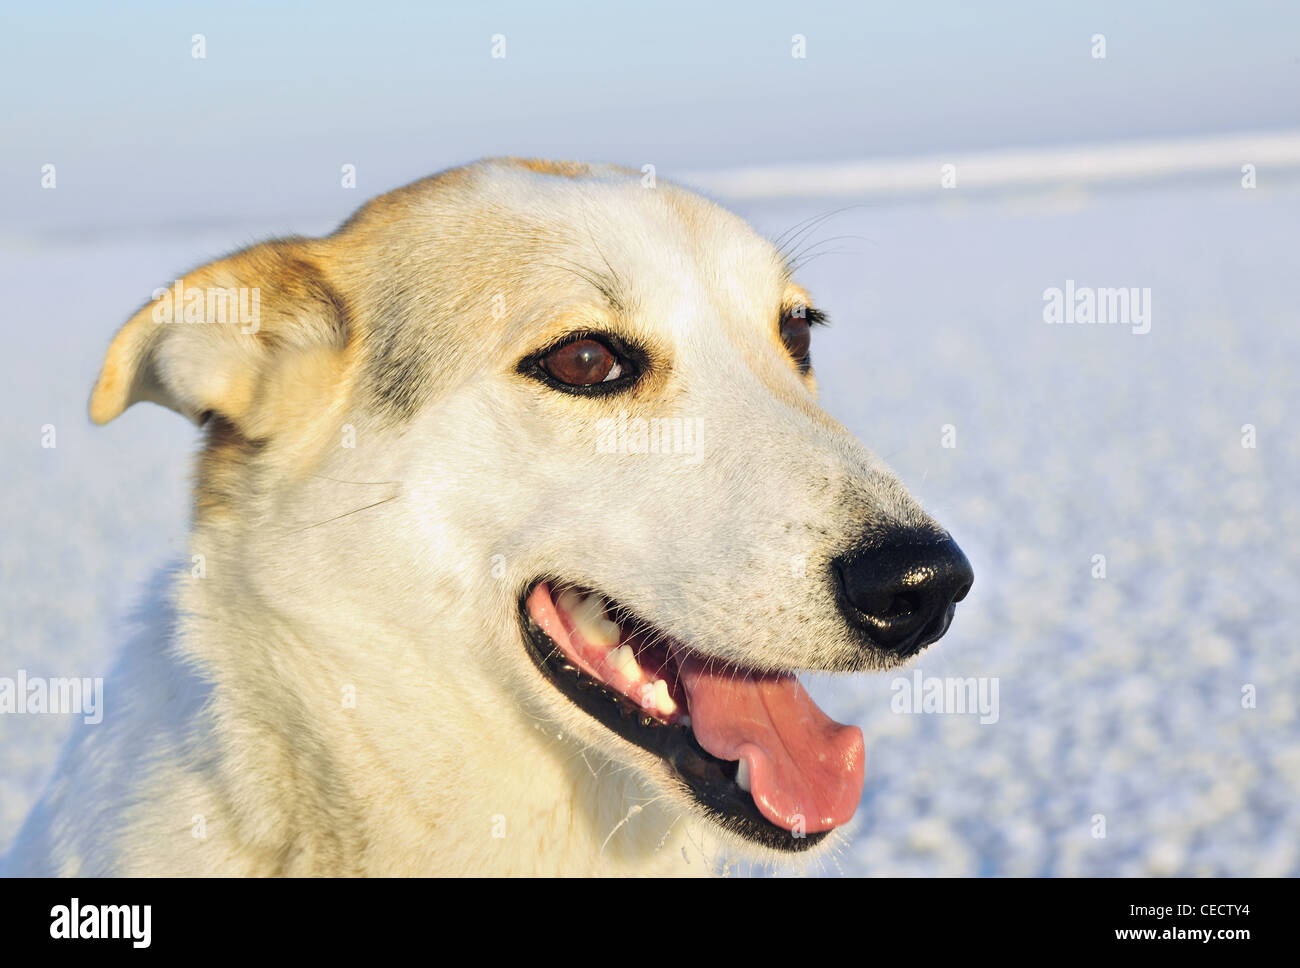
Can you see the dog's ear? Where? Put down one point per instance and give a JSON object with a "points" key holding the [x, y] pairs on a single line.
{"points": [[247, 337]]}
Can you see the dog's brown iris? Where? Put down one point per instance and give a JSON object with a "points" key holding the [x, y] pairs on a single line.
{"points": [[797, 337], [581, 363]]}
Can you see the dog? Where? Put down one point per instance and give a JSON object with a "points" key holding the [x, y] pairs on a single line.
{"points": [[515, 517]]}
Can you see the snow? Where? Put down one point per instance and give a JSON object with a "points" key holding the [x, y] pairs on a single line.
{"points": [[1120, 697]]}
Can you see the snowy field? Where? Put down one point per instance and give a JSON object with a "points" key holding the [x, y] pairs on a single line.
{"points": [[1119, 697]]}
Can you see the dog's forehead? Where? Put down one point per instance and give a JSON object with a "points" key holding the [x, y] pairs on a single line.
{"points": [[511, 250], [657, 237], [644, 229], [529, 221], [659, 251]]}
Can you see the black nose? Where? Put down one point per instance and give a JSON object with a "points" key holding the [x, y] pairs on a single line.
{"points": [[903, 591]]}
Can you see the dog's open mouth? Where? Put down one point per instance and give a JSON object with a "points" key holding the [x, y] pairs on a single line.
{"points": [[753, 748]]}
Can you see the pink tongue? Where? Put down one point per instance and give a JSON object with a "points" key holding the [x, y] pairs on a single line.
{"points": [[802, 764]]}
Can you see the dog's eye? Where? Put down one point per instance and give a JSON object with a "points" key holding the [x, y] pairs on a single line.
{"points": [[797, 337], [582, 363]]}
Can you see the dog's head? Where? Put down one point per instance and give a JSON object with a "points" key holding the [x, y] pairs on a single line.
{"points": [[559, 426]]}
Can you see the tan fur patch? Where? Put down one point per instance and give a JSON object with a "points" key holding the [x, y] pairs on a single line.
{"points": [[561, 169], [220, 469]]}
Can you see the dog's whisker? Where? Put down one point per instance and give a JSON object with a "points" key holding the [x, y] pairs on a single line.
{"points": [[806, 225], [609, 285], [345, 514], [827, 240], [786, 245], [812, 257], [613, 273], [798, 260], [336, 480]]}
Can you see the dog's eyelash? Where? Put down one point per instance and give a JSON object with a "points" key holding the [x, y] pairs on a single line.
{"points": [[814, 317], [631, 362]]}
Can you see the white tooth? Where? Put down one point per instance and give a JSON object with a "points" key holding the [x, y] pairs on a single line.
{"points": [[569, 601], [589, 619], [601, 631], [664, 702], [742, 775], [632, 668], [624, 661], [685, 720], [590, 605]]}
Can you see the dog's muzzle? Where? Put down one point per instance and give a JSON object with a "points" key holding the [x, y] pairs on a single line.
{"points": [[902, 591]]}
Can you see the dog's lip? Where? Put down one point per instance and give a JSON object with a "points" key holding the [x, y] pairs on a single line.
{"points": [[642, 668], [794, 756], [710, 781]]}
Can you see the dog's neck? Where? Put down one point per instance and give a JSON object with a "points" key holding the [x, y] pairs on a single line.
{"points": [[419, 768]]}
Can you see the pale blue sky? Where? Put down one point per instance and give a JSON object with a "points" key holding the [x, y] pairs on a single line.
{"points": [[143, 134]]}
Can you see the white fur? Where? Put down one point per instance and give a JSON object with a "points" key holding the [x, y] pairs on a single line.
{"points": [[228, 747]]}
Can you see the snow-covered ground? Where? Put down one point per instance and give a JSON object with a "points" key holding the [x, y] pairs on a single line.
{"points": [[1119, 697]]}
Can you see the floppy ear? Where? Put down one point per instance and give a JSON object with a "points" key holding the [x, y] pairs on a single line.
{"points": [[246, 337]]}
